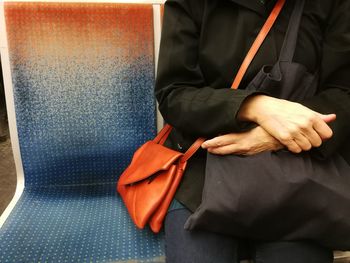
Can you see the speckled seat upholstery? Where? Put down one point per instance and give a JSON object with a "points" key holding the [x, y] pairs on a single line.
{"points": [[82, 77]]}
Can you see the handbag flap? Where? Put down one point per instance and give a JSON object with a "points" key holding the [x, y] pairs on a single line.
{"points": [[149, 159]]}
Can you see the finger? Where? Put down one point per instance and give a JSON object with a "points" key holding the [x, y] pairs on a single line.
{"points": [[224, 150], [313, 137], [293, 147], [328, 117], [220, 141], [303, 142], [287, 140], [323, 130]]}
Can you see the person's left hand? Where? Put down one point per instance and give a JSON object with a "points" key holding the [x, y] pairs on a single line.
{"points": [[246, 143]]}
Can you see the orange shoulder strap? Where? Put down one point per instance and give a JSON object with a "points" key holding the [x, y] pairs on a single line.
{"points": [[257, 43]]}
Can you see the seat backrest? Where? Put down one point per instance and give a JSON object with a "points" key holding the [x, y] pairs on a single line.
{"points": [[83, 76]]}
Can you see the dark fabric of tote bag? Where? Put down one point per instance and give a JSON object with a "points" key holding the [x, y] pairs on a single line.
{"points": [[278, 195]]}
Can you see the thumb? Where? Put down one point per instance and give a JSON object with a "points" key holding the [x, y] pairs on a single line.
{"points": [[328, 117]]}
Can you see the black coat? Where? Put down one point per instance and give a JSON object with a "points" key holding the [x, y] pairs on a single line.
{"points": [[203, 44]]}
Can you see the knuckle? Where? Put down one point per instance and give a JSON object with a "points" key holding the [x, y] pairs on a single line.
{"points": [[305, 125], [312, 118], [247, 148], [286, 137], [217, 143], [294, 131]]}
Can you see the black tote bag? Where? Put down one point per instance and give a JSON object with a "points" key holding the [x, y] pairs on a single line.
{"points": [[278, 195]]}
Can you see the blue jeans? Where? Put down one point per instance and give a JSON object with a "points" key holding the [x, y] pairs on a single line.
{"points": [[184, 246]]}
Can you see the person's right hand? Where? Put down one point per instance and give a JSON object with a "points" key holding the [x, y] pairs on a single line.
{"points": [[248, 143], [294, 125]]}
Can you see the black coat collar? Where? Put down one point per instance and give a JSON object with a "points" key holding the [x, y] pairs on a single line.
{"points": [[258, 6]]}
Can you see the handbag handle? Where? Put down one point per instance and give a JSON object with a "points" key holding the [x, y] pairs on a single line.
{"points": [[164, 133]]}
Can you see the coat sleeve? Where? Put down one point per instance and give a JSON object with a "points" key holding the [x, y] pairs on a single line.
{"points": [[334, 95], [185, 100]]}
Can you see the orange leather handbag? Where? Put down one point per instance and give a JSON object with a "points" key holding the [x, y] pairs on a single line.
{"points": [[149, 183]]}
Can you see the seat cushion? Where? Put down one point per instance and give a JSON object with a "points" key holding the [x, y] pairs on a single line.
{"points": [[75, 224]]}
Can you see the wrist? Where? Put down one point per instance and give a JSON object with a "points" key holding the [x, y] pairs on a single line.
{"points": [[251, 107]]}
